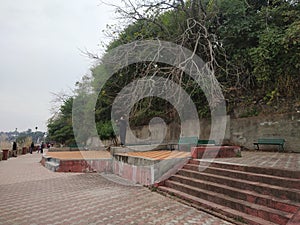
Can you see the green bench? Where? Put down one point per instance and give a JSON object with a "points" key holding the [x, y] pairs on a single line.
{"points": [[187, 141], [206, 142], [270, 141], [193, 141]]}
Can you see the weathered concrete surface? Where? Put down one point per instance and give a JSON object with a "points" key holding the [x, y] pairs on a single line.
{"points": [[245, 131], [78, 161], [138, 148], [144, 171], [211, 152], [174, 131]]}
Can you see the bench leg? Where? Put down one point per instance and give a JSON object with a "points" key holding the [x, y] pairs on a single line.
{"points": [[257, 147], [281, 148]]}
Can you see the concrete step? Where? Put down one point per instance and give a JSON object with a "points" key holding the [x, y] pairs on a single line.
{"points": [[53, 166], [216, 209], [250, 176], [245, 195], [263, 212], [252, 169], [267, 189], [260, 195], [51, 159]]}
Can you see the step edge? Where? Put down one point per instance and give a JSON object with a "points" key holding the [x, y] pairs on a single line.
{"points": [[222, 208], [269, 197], [251, 205], [244, 181], [251, 173], [246, 166]]}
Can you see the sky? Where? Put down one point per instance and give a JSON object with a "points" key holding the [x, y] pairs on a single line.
{"points": [[40, 54]]}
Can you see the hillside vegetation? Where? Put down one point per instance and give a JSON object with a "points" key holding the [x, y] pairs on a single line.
{"points": [[252, 47]]}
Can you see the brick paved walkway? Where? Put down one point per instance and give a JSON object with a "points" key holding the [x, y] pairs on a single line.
{"points": [[289, 161], [32, 195]]}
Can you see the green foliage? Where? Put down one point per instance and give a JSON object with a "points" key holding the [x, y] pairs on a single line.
{"points": [[105, 130], [256, 52], [260, 38], [60, 128], [271, 96], [249, 112]]}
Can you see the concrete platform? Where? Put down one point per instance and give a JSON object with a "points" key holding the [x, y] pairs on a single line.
{"points": [[142, 158], [79, 155], [211, 152], [149, 167], [78, 161], [144, 168]]}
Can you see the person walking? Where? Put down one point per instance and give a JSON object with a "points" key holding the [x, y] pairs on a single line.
{"points": [[31, 147]]}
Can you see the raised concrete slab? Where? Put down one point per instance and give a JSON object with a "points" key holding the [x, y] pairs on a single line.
{"points": [[211, 152], [79, 155], [148, 167], [78, 161], [142, 148]]}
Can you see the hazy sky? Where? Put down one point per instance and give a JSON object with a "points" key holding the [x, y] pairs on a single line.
{"points": [[40, 46]]}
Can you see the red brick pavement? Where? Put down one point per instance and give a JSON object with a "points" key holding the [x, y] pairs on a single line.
{"points": [[32, 195]]}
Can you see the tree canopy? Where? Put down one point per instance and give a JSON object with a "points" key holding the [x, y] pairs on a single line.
{"points": [[252, 47]]}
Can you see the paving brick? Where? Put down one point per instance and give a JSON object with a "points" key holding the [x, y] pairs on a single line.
{"points": [[32, 195]]}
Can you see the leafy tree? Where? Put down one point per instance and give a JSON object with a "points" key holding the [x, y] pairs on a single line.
{"points": [[60, 127], [252, 47]]}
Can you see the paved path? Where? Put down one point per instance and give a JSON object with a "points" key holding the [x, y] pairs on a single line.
{"points": [[32, 195], [288, 161]]}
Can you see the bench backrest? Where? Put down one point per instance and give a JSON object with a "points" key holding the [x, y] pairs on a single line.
{"points": [[188, 140], [206, 142], [271, 140], [186, 143]]}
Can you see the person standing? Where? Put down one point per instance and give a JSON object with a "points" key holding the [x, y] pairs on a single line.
{"points": [[122, 130], [31, 147], [14, 149], [42, 147]]}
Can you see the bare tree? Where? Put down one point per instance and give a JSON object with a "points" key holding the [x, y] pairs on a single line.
{"points": [[58, 100], [195, 35]]}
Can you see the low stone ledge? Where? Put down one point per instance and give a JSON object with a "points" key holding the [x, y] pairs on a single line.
{"points": [[208, 152]]}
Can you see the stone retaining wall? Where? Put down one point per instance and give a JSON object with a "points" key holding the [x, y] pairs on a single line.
{"points": [[239, 131]]}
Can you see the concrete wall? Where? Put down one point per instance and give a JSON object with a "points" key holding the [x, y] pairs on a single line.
{"points": [[244, 131], [239, 131], [174, 131], [145, 171]]}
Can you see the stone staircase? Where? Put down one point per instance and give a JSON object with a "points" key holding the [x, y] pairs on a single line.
{"points": [[252, 195]]}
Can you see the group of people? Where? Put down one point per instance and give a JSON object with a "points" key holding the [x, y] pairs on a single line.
{"points": [[31, 148], [122, 124]]}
